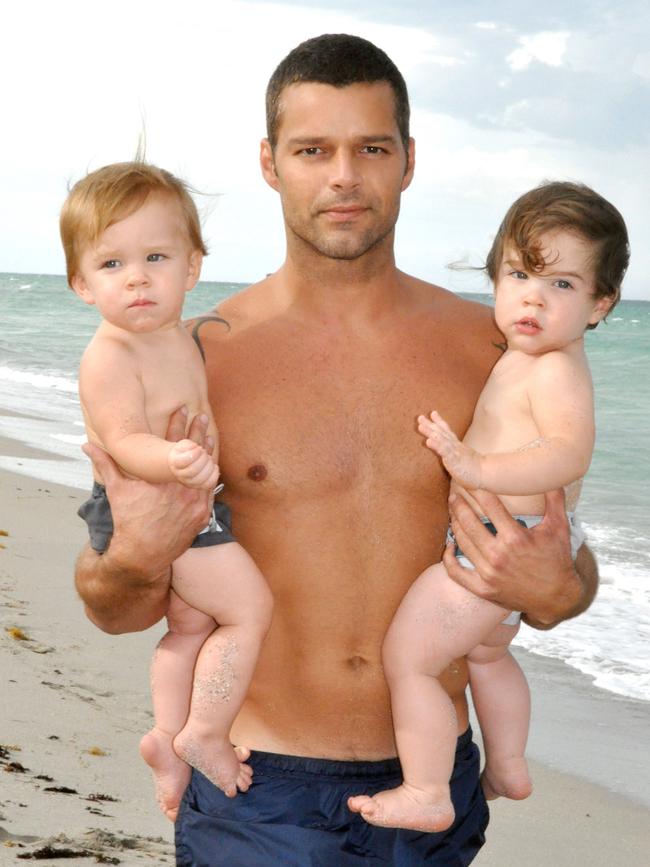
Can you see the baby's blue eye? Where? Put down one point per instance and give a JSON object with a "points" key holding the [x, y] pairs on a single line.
{"points": [[111, 263], [155, 257], [563, 284]]}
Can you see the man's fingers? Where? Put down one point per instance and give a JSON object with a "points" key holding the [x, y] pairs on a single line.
{"points": [[467, 578], [555, 508], [472, 536], [176, 426], [198, 429], [493, 508], [104, 465]]}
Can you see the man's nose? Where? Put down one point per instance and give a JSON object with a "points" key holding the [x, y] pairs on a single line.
{"points": [[345, 171]]}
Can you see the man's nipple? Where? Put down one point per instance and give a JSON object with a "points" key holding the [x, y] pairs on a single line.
{"points": [[257, 473]]}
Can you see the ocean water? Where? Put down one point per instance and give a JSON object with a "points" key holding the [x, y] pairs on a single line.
{"points": [[45, 329]]}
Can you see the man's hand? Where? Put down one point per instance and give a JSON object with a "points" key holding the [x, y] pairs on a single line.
{"points": [[127, 587], [460, 461], [528, 570]]}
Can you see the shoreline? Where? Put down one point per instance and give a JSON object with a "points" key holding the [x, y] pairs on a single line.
{"points": [[77, 703]]}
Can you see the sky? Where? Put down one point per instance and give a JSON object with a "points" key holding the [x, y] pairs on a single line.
{"points": [[504, 94]]}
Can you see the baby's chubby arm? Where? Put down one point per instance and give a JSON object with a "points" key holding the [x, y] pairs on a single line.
{"points": [[126, 588], [114, 402], [561, 406]]}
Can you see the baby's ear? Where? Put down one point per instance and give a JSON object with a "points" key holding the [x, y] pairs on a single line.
{"points": [[601, 309], [81, 289], [194, 269]]}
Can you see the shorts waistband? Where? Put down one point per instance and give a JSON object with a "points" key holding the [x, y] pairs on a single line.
{"points": [[335, 768]]}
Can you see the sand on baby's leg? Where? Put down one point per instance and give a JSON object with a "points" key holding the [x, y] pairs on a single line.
{"points": [[224, 581], [437, 622], [502, 702], [171, 683]]}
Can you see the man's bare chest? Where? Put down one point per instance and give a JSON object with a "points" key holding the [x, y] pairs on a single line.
{"points": [[326, 417]]}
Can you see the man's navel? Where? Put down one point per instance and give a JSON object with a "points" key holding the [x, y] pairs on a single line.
{"points": [[356, 662]]}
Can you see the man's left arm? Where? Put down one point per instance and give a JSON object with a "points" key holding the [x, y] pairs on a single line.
{"points": [[528, 570]]}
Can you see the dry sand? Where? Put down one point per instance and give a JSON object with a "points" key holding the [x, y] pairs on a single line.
{"points": [[75, 703]]}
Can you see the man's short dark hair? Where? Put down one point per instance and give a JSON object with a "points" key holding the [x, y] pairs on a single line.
{"points": [[340, 60]]}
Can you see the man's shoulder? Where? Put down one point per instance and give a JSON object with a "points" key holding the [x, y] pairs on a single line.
{"points": [[230, 314], [439, 302]]}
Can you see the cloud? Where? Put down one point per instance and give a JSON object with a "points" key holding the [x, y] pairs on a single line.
{"points": [[546, 47], [501, 56]]}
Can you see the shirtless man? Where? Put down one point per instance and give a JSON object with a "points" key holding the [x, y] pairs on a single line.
{"points": [[316, 387]]}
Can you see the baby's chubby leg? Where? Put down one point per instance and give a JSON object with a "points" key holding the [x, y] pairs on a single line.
{"points": [[502, 703], [223, 581], [171, 679], [437, 622]]}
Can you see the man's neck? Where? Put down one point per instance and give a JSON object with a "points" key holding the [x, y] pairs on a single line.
{"points": [[341, 289]]}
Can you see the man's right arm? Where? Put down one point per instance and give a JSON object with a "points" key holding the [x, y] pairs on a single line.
{"points": [[126, 588], [115, 598]]}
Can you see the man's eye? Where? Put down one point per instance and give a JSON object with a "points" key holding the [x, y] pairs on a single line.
{"points": [[155, 257], [111, 263], [310, 152], [373, 149]]}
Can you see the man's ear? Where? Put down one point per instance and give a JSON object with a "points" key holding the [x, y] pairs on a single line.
{"points": [[410, 164], [268, 164], [194, 269], [601, 309], [80, 288]]}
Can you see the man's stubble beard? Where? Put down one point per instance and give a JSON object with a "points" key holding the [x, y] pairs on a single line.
{"points": [[342, 244]]}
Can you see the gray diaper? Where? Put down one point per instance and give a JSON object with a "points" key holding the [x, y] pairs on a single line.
{"points": [[96, 512], [577, 537]]}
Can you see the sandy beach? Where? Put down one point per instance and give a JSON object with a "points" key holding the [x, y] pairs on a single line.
{"points": [[75, 704]]}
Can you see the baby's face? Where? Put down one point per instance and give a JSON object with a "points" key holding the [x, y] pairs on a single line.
{"points": [[539, 311], [140, 268]]}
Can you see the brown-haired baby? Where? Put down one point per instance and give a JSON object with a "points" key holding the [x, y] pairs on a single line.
{"points": [[557, 265]]}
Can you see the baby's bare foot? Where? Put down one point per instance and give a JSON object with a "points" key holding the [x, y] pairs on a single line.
{"points": [[508, 778], [407, 807], [217, 759], [171, 774]]}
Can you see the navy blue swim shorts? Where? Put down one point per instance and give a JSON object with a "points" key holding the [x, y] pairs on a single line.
{"points": [[295, 815]]}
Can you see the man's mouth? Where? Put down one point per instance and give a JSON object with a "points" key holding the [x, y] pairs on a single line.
{"points": [[344, 213]]}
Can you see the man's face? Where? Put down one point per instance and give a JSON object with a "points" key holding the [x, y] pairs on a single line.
{"points": [[340, 167]]}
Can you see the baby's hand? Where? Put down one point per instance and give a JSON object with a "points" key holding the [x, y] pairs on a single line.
{"points": [[461, 462], [193, 466]]}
